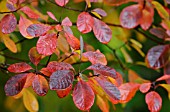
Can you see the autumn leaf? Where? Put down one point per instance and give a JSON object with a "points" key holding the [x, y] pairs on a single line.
{"points": [[30, 101], [83, 96], [51, 15], [34, 56], [119, 2], [154, 101], [15, 84], [95, 57], [157, 56], [8, 23], [102, 103], [66, 22], [61, 2], [19, 67], [102, 31], [85, 22], [30, 78], [100, 12], [145, 87], [130, 16], [29, 12], [36, 30], [40, 85], [61, 93], [61, 79], [47, 44]]}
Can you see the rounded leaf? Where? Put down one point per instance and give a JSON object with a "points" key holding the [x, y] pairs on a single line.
{"points": [[47, 44], [8, 23], [19, 67], [66, 22], [100, 12], [61, 2], [158, 56], [30, 78], [85, 22], [61, 79], [154, 101], [15, 84], [102, 31], [131, 16], [145, 87], [36, 30], [29, 12], [34, 56], [54, 66], [61, 93], [83, 96], [40, 85]]}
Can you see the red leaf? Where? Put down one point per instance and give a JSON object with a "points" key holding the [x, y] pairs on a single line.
{"points": [[103, 70], [34, 56], [131, 16], [58, 27], [47, 44], [23, 24], [119, 2], [8, 23], [110, 89], [154, 101], [61, 79], [83, 96], [96, 57], [158, 56], [29, 12], [51, 15], [19, 67], [73, 41], [102, 31], [85, 22], [68, 30], [54, 66], [40, 85], [164, 77], [30, 78], [100, 12], [159, 32], [36, 30], [15, 84], [66, 22], [145, 87], [147, 16], [61, 2], [119, 79], [46, 72], [128, 91], [64, 92]]}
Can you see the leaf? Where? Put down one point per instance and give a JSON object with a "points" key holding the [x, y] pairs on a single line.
{"points": [[64, 92], [61, 2], [116, 81], [102, 103], [34, 56], [83, 96], [29, 12], [15, 84], [66, 22], [9, 43], [30, 102], [161, 10], [68, 30], [159, 32], [118, 2], [23, 24], [145, 87], [131, 16], [10, 6], [73, 41], [51, 15], [168, 1], [102, 31], [100, 12], [85, 22], [46, 72], [58, 27], [19, 67], [164, 77], [95, 57], [158, 56], [36, 30], [103, 70], [8, 23], [47, 44], [128, 91], [154, 101], [167, 87], [63, 44], [61, 79], [40, 85], [167, 69], [54, 66], [110, 89], [147, 15], [30, 78]]}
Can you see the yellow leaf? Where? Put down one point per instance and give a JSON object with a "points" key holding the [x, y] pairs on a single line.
{"points": [[9, 43], [88, 3], [102, 103], [30, 101], [136, 43], [161, 10], [167, 87], [138, 50], [96, 14]]}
